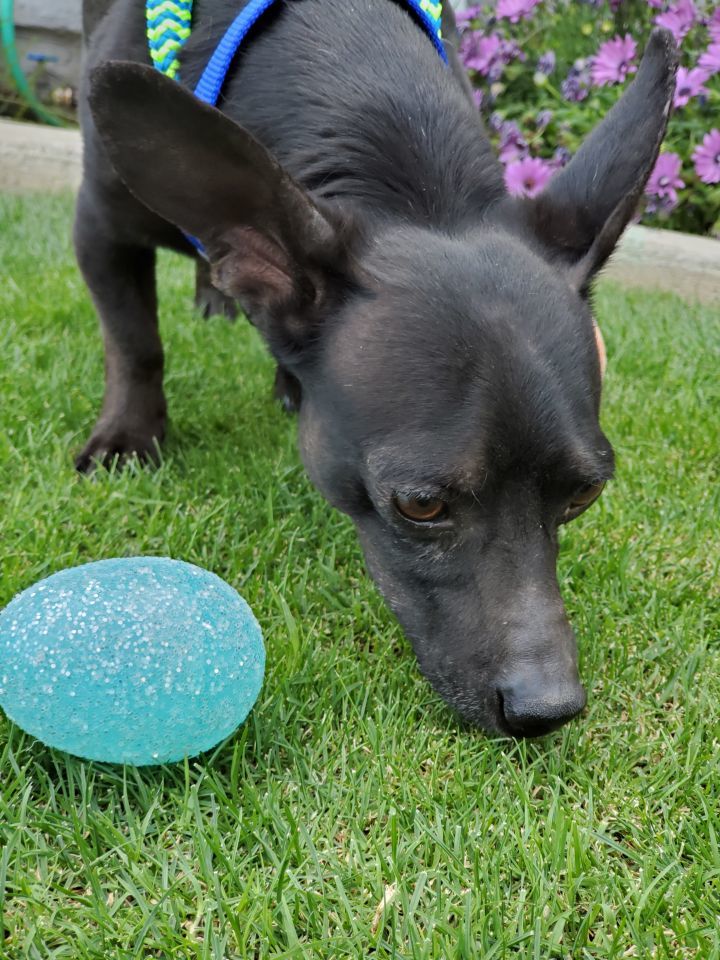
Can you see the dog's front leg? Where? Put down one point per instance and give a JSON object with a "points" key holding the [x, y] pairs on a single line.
{"points": [[121, 278]]}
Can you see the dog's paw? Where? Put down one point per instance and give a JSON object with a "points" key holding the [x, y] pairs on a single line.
{"points": [[113, 444], [287, 390], [210, 302]]}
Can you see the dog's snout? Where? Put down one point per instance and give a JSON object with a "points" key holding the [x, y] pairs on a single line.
{"points": [[532, 706]]}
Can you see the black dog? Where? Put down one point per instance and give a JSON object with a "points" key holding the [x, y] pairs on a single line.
{"points": [[434, 333]]}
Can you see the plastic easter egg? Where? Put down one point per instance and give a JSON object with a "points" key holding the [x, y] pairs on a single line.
{"points": [[141, 660]]}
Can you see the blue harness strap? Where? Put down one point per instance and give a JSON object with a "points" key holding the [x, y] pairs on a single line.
{"points": [[168, 27], [211, 82], [213, 77]]}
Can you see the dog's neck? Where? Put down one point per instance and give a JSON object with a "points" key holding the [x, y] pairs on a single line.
{"points": [[372, 117]]}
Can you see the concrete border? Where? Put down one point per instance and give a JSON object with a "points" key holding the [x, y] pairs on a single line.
{"points": [[681, 263], [34, 157], [65, 15]]}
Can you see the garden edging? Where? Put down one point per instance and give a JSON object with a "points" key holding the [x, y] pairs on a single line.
{"points": [[34, 157]]}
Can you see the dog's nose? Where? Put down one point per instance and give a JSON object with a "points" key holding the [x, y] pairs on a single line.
{"points": [[532, 708]]}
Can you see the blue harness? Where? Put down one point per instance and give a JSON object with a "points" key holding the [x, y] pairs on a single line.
{"points": [[169, 23]]}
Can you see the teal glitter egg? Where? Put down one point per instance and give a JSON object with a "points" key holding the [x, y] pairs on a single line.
{"points": [[141, 660]]}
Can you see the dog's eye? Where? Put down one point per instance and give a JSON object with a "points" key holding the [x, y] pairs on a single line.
{"points": [[420, 509], [582, 499]]}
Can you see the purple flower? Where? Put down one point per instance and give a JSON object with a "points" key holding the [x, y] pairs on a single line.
{"points": [[488, 55], [714, 26], [496, 121], [613, 61], [512, 51], [516, 10], [707, 157], [472, 13], [508, 129], [679, 19], [478, 98], [479, 52], [526, 178], [710, 60], [546, 63], [575, 86], [689, 85], [664, 181], [543, 119], [561, 158], [660, 205], [513, 145], [656, 4]]}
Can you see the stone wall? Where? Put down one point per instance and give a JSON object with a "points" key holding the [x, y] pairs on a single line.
{"points": [[47, 37], [63, 15]]}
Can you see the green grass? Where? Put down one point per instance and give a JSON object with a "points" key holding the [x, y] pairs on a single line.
{"points": [[350, 775]]}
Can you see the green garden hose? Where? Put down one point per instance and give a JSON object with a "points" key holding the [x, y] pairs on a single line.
{"points": [[7, 22]]}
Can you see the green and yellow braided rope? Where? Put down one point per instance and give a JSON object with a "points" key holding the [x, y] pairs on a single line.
{"points": [[169, 23], [432, 9]]}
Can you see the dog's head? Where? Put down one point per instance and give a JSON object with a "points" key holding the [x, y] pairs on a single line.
{"points": [[450, 380]]}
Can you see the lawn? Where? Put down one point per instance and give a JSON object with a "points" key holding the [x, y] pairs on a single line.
{"points": [[351, 779]]}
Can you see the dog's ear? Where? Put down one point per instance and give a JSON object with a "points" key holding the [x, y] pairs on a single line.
{"points": [[587, 205], [268, 243]]}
